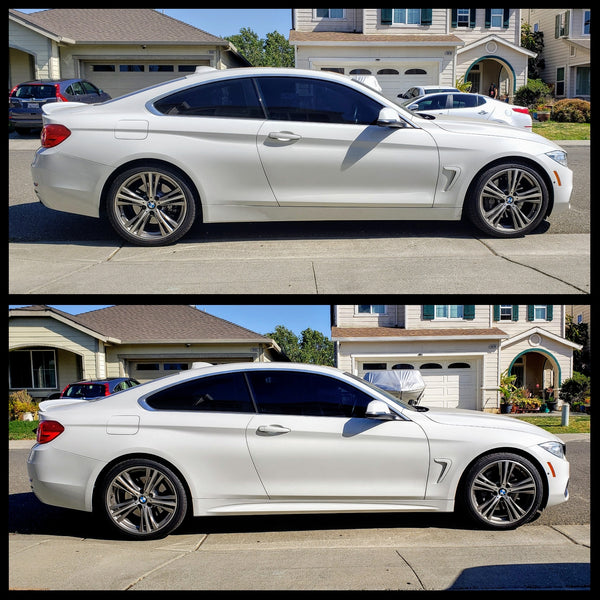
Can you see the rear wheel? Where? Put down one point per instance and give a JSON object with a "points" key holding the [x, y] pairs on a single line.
{"points": [[143, 499], [502, 491], [507, 200], [151, 205]]}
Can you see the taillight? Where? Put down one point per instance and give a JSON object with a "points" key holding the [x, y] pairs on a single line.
{"points": [[53, 135], [106, 389], [11, 93], [48, 430], [520, 109], [59, 96]]}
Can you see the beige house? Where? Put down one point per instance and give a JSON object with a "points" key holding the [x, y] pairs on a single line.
{"points": [[119, 50], [460, 350], [405, 47], [566, 51], [49, 349]]}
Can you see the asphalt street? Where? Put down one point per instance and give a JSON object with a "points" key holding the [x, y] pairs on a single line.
{"points": [[57, 549], [55, 253]]}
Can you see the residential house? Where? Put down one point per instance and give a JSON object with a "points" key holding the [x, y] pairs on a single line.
{"points": [[460, 350], [49, 348], [119, 50], [566, 50], [404, 47]]}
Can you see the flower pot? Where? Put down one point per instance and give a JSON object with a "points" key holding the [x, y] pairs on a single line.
{"points": [[506, 408], [543, 116]]}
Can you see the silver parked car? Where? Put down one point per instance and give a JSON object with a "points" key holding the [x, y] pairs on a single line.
{"points": [[270, 144]]}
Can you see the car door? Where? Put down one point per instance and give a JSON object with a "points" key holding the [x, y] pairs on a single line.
{"points": [[321, 149], [311, 440], [467, 105]]}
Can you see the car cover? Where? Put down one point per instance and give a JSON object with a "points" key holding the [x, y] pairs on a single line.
{"points": [[406, 384]]}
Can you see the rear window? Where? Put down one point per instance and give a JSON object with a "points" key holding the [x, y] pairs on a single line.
{"points": [[85, 390], [40, 92]]}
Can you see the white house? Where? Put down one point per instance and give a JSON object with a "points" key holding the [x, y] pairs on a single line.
{"points": [[404, 47], [460, 350]]}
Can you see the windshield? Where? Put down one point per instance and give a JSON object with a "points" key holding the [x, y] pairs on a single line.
{"points": [[40, 92], [389, 396], [85, 390]]}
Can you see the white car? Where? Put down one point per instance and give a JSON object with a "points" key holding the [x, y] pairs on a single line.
{"points": [[257, 438], [421, 90], [256, 144], [476, 106]]}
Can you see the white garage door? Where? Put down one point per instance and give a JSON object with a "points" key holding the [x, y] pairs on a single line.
{"points": [[395, 79], [449, 385], [122, 77]]}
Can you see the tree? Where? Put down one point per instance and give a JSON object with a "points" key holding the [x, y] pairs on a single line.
{"points": [[273, 51], [534, 41], [311, 348]]}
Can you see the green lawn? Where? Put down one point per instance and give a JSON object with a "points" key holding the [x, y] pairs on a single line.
{"points": [[562, 131]]}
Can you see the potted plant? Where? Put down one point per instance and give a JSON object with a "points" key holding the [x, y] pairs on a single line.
{"points": [[508, 392], [21, 406]]}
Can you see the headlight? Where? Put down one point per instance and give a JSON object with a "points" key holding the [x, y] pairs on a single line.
{"points": [[560, 156], [555, 448]]}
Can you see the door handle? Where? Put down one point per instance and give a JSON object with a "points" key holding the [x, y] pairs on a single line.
{"points": [[482, 112], [272, 430], [284, 136]]}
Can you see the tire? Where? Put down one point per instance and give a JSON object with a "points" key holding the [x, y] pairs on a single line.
{"points": [[502, 491], [151, 205], [507, 200], [142, 499]]}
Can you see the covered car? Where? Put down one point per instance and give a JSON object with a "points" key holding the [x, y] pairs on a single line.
{"points": [[406, 384]]}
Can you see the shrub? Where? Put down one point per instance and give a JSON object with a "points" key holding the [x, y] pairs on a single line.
{"points": [[576, 388], [532, 94], [19, 403], [571, 110]]}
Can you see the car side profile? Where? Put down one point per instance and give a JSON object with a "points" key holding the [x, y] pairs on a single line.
{"points": [[422, 90], [273, 438], [268, 144]]}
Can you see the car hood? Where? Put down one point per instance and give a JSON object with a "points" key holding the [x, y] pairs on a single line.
{"points": [[471, 418]]}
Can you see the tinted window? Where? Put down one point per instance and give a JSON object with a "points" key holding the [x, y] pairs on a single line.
{"points": [[304, 99], [85, 390], [221, 393], [36, 91], [234, 98], [297, 393], [464, 101]]}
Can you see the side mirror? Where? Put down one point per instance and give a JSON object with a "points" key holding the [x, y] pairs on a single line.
{"points": [[376, 409], [388, 117]]}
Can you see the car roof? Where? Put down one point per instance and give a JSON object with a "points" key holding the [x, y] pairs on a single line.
{"points": [[101, 380], [48, 81]]}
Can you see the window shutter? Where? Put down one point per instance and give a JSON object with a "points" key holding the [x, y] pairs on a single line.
{"points": [[426, 16], [515, 312], [496, 312], [488, 18], [469, 311], [567, 22], [472, 18], [454, 17], [386, 16], [530, 312], [557, 20], [549, 312], [428, 312], [506, 19]]}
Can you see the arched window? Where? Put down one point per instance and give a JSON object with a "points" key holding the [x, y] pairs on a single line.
{"points": [[459, 365], [360, 72], [403, 366], [387, 72], [415, 72], [431, 366]]}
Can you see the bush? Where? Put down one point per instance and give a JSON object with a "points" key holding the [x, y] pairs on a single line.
{"points": [[532, 94], [19, 403], [571, 110], [576, 388]]}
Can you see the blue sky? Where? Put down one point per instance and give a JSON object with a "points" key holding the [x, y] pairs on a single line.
{"points": [[260, 318], [228, 21]]}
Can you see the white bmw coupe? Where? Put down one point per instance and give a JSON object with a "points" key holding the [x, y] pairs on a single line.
{"points": [[267, 144], [256, 438]]}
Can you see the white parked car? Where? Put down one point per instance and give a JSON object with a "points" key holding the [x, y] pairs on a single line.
{"points": [[476, 106], [256, 438], [421, 90], [272, 144]]}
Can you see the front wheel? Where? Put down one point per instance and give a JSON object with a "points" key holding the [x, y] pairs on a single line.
{"points": [[507, 200], [502, 491], [151, 205], [142, 499]]}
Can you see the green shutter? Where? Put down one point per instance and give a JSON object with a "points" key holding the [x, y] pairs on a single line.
{"points": [[426, 16], [472, 18], [488, 18], [506, 20], [386, 16], [454, 17], [469, 311], [428, 312], [515, 312], [549, 312], [530, 312], [496, 312]]}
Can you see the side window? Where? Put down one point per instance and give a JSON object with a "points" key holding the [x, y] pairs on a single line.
{"points": [[75, 89], [464, 101], [309, 394], [313, 100], [89, 88], [233, 98], [221, 393]]}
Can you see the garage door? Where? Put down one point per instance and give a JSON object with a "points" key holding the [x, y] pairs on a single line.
{"points": [[448, 383], [396, 79], [122, 77], [148, 369]]}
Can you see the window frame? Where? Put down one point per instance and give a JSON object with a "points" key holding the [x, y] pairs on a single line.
{"points": [[371, 310], [448, 307], [318, 17], [32, 374]]}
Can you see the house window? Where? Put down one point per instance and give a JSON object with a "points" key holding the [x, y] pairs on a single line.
{"points": [[582, 81], [496, 18], [406, 16], [559, 85], [449, 311], [370, 309], [539, 312], [561, 25], [506, 312], [463, 17], [330, 13], [33, 369], [586, 22]]}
